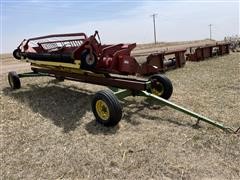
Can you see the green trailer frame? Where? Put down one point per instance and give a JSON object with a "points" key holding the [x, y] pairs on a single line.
{"points": [[125, 93], [118, 86]]}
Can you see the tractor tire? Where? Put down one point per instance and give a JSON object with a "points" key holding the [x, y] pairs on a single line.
{"points": [[161, 86], [106, 108], [14, 80], [16, 54], [86, 61]]}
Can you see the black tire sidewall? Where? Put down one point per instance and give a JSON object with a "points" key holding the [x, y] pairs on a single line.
{"points": [[114, 107], [14, 78], [166, 83], [84, 64], [16, 54]]}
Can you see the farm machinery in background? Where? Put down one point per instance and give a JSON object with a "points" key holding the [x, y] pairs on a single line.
{"points": [[200, 53], [80, 58]]}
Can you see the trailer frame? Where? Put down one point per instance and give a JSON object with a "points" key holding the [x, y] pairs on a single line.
{"points": [[122, 87]]}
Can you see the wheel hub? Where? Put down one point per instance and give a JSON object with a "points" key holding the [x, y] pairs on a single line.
{"points": [[157, 88], [90, 59], [102, 110]]}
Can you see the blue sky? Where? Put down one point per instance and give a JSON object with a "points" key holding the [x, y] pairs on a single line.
{"points": [[117, 21]]}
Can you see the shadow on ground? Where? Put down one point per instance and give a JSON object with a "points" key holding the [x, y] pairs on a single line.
{"points": [[63, 105], [95, 128], [66, 105], [132, 108]]}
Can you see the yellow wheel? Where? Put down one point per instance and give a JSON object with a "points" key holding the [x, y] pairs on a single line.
{"points": [[161, 86], [158, 89], [106, 108], [102, 110]]}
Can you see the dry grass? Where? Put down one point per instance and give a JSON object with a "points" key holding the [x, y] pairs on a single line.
{"points": [[8, 63], [48, 130]]}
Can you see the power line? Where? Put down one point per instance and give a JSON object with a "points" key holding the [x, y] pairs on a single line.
{"points": [[154, 27], [210, 31]]}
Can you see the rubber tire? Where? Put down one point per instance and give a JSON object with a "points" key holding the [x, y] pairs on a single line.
{"points": [[115, 108], [84, 64], [166, 83], [16, 54], [14, 80]]}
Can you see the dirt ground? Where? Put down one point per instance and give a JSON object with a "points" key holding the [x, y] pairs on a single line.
{"points": [[49, 132]]}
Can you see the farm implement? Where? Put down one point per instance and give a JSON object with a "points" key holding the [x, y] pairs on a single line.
{"points": [[78, 51], [165, 60], [80, 58], [200, 53]]}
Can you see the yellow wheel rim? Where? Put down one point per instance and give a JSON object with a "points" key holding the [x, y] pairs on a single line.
{"points": [[158, 91], [102, 110]]}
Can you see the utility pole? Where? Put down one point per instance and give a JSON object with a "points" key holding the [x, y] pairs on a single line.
{"points": [[154, 27], [210, 31]]}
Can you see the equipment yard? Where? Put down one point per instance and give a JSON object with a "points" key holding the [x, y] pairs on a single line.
{"points": [[48, 130]]}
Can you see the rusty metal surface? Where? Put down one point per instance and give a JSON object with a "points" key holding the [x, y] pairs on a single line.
{"points": [[180, 58], [223, 48], [207, 51], [163, 63]]}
